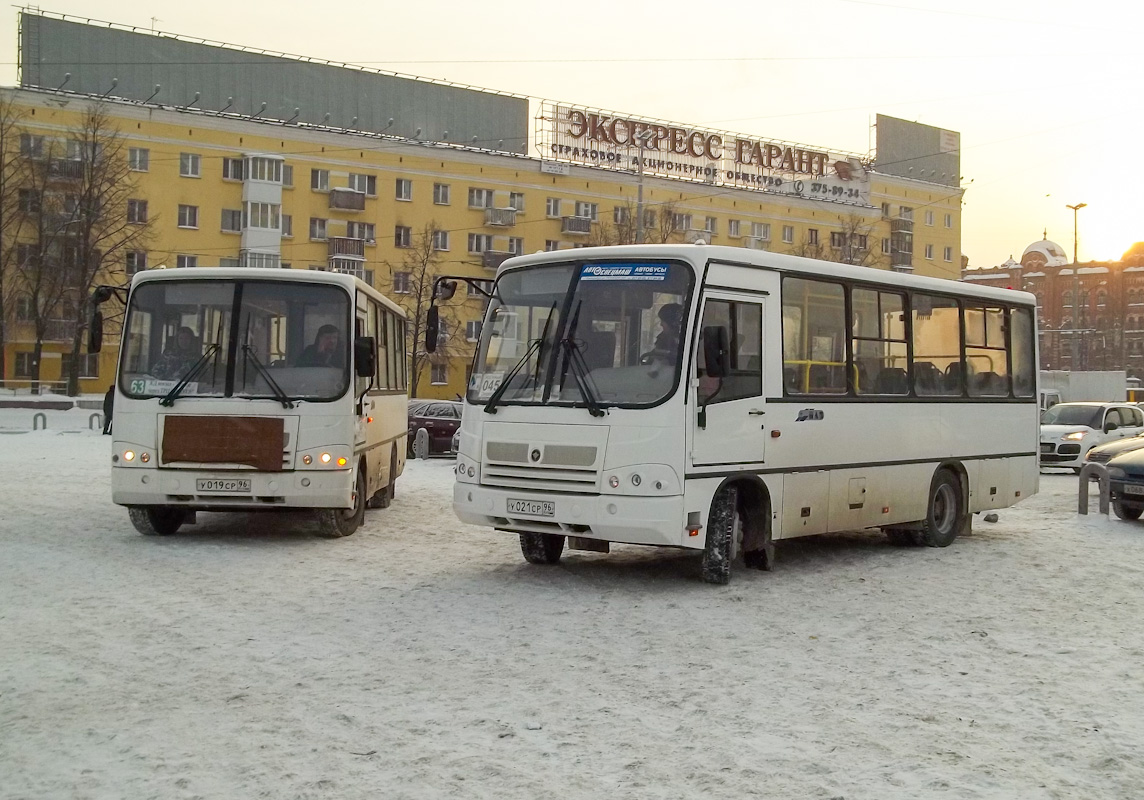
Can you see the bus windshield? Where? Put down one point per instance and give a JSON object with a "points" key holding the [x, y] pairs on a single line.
{"points": [[250, 339], [597, 334]]}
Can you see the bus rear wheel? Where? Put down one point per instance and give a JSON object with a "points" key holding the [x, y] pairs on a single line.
{"points": [[946, 511], [724, 527], [541, 548], [157, 520], [334, 523]]}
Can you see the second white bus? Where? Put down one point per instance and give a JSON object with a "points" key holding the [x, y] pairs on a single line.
{"points": [[722, 399]]}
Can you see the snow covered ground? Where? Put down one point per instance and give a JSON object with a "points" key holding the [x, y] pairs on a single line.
{"points": [[421, 658]]}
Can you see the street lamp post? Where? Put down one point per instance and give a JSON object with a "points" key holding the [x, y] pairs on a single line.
{"points": [[1076, 291], [642, 138]]}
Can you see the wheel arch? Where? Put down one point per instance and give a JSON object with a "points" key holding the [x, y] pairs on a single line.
{"points": [[959, 471], [755, 504]]}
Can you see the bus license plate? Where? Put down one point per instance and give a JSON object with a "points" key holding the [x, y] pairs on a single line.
{"points": [[1131, 488], [534, 508], [223, 485]]}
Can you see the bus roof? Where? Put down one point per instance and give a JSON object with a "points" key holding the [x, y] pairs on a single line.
{"points": [[348, 282], [699, 255]]}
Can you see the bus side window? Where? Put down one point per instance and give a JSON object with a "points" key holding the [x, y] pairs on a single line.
{"points": [[743, 323]]}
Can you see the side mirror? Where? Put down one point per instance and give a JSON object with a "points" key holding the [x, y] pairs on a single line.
{"points": [[716, 350], [432, 329], [446, 290], [365, 356], [95, 332], [100, 295], [1110, 426]]}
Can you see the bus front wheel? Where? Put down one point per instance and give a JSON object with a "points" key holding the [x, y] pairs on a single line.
{"points": [[946, 513], [723, 529], [157, 520], [335, 523], [541, 548]]}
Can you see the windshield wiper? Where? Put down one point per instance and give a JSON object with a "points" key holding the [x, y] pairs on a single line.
{"points": [[580, 371], [190, 375], [533, 347], [279, 395]]}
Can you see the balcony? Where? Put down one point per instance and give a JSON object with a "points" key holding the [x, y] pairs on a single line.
{"points": [[900, 225], [345, 247], [576, 225], [500, 217], [59, 330], [492, 259], [65, 169], [757, 242], [347, 200]]}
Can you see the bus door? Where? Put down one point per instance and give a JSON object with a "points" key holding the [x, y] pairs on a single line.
{"points": [[729, 424]]}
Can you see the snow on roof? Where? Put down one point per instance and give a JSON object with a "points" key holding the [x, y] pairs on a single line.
{"points": [[1134, 269], [986, 277], [1052, 252], [1091, 270], [1034, 274]]}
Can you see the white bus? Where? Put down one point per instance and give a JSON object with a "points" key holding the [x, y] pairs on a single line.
{"points": [[251, 389], [722, 399]]}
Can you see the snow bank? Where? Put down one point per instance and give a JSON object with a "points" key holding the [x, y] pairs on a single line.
{"points": [[420, 657]]}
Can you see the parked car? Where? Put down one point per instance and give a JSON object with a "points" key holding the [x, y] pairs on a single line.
{"points": [[440, 418], [1102, 454], [1070, 430], [1126, 484], [456, 446]]}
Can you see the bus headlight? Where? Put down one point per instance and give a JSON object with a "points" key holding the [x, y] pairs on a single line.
{"points": [[128, 455], [325, 458], [643, 480], [307, 459]]}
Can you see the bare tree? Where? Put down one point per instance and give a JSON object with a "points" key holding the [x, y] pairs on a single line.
{"points": [[856, 237], [104, 225], [11, 221], [808, 248], [411, 287], [659, 225]]}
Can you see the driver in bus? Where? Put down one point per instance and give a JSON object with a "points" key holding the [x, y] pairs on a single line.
{"points": [[181, 354], [326, 351], [667, 342]]}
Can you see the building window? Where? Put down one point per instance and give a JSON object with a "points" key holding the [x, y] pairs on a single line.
{"points": [[552, 207], [949, 220], [711, 225], [440, 372], [29, 201], [404, 189], [516, 245], [948, 254], [885, 209], [31, 146], [788, 234], [472, 291], [232, 220], [929, 218], [551, 245], [762, 230], [366, 184], [401, 283], [361, 230], [88, 365], [480, 198], [189, 164], [516, 200], [588, 210], [253, 258], [681, 222], [320, 180], [402, 236], [733, 228], [287, 225], [262, 215], [479, 242], [264, 169], [837, 239], [287, 175], [812, 236], [473, 330], [929, 252], [24, 365], [441, 194], [24, 309], [137, 211], [228, 262], [886, 246], [139, 159], [440, 240], [318, 228], [188, 216], [905, 212], [232, 169], [620, 215], [136, 262], [186, 261]]}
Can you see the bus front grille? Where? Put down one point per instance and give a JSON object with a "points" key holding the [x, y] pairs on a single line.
{"points": [[583, 481]]}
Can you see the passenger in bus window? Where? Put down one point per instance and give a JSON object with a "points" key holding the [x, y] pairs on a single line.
{"points": [[181, 354], [326, 351]]}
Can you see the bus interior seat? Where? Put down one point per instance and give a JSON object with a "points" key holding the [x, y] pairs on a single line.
{"points": [[926, 378], [952, 382], [892, 380], [990, 384]]}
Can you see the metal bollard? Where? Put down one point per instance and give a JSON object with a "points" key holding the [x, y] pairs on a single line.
{"points": [[95, 422], [1086, 474], [421, 444], [38, 418]]}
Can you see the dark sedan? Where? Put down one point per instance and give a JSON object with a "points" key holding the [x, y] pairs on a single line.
{"points": [[1126, 483], [439, 418]]}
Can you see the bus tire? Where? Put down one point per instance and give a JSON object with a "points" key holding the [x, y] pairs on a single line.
{"points": [[946, 510], [334, 523], [722, 528], [157, 520], [541, 548], [384, 496], [1124, 512]]}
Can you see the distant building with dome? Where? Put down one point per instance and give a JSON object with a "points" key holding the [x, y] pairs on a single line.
{"points": [[1108, 321]]}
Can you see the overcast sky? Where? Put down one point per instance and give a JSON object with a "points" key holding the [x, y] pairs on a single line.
{"points": [[1046, 95]]}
